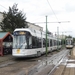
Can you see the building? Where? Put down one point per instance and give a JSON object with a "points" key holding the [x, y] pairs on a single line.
{"points": [[6, 41], [32, 25]]}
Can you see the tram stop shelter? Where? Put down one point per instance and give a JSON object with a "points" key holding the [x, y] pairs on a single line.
{"points": [[6, 41]]}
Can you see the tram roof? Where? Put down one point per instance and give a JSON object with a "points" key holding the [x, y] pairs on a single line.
{"points": [[22, 29], [34, 32]]}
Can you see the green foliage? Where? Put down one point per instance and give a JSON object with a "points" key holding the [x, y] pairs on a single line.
{"points": [[69, 36], [13, 19]]}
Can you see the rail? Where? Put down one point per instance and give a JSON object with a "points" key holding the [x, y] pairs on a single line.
{"points": [[55, 60]]}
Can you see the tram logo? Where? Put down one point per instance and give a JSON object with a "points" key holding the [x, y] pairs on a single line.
{"points": [[18, 51]]}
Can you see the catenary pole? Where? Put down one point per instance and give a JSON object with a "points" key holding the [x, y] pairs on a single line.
{"points": [[57, 38], [46, 36]]}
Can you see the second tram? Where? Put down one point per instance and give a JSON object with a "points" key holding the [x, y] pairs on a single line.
{"points": [[69, 43]]}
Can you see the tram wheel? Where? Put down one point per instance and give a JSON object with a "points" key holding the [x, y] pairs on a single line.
{"points": [[38, 54]]}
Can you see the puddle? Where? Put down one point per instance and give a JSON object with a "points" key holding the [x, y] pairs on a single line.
{"points": [[52, 62], [70, 65]]}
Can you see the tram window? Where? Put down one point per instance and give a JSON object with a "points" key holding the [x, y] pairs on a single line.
{"points": [[30, 42], [50, 42], [71, 42], [59, 43], [66, 42], [39, 43], [34, 42], [44, 42], [54, 42]]}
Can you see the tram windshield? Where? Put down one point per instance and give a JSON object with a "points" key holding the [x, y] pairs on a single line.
{"points": [[69, 42], [19, 41]]}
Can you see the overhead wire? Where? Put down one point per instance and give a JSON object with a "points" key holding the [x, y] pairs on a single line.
{"points": [[3, 7], [55, 14], [52, 10]]}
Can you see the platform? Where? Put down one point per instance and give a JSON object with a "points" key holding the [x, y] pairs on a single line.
{"points": [[68, 68]]}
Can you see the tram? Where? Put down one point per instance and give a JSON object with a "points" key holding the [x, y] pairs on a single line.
{"points": [[69, 43], [32, 43]]}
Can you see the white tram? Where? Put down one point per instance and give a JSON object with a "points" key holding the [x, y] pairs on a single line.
{"points": [[69, 42], [30, 42]]}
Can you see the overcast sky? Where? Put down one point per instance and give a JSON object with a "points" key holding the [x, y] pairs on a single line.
{"points": [[56, 10]]}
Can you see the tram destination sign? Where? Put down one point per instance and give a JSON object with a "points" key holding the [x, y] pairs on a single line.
{"points": [[19, 33]]}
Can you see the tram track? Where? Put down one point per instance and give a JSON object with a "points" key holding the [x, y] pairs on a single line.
{"points": [[6, 59], [26, 66], [51, 65], [58, 62]]}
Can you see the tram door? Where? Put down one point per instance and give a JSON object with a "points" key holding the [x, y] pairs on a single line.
{"points": [[30, 42]]}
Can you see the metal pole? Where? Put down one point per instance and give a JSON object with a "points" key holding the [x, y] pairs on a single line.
{"points": [[46, 35], [57, 37], [62, 40]]}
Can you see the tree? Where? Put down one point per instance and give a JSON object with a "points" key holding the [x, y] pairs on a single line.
{"points": [[13, 19], [69, 36]]}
